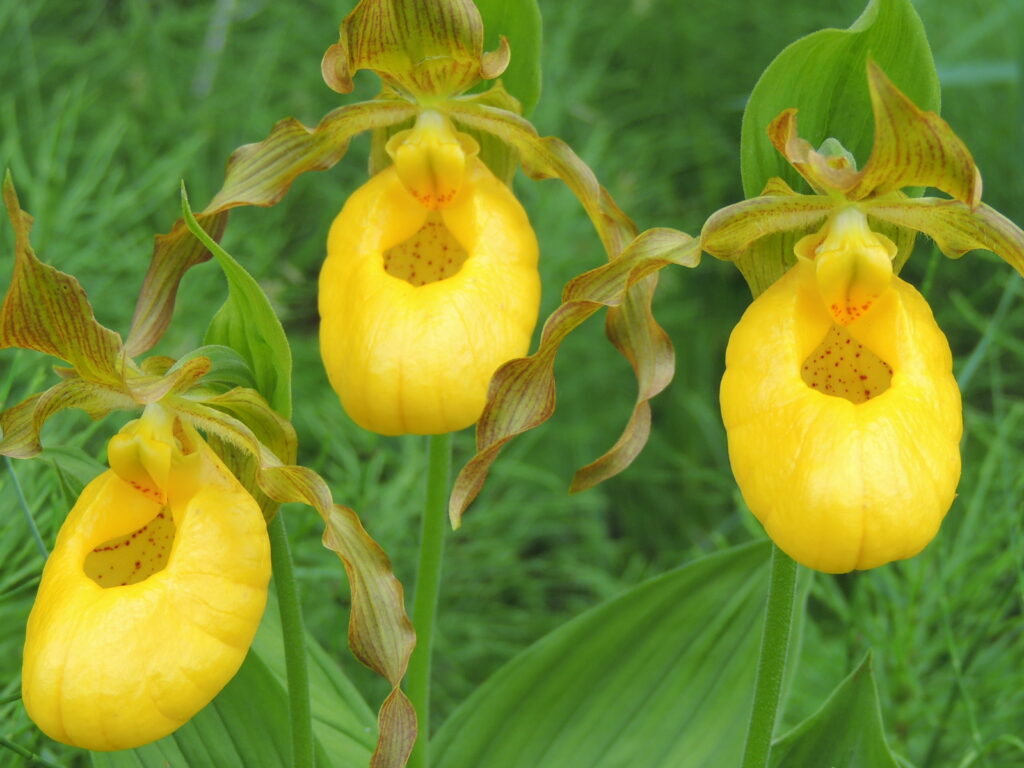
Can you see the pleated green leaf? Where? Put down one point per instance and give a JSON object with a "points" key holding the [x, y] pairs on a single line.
{"points": [[342, 721], [845, 733], [659, 677], [248, 324]]}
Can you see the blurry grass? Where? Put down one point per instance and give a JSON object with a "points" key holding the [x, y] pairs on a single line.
{"points": [[107, 105]]}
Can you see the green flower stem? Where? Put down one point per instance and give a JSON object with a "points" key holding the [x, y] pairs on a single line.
{"points": [[31, 757], [23, 502], [428, 581], [772, 664], [294, 636]]}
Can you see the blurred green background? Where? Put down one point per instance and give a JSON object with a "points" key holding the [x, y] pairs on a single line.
{"points": [[106, 105]]}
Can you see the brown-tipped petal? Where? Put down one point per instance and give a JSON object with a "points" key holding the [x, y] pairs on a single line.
{"points": [[21, 424], [815, 167], [913, 148], [257, 174], [732, 230], [522, 392], [431, 50], [956, 228], [47, 310], [550, 157]]}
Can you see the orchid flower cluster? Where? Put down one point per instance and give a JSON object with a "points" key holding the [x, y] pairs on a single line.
{"points": [[842, 413]]}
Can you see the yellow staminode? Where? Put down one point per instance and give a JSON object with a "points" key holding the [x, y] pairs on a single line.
{"points": [[430, 284], [151, 596], [843, 424]]}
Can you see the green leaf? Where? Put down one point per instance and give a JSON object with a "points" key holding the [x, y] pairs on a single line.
{"points": [[660, 676], [824, 76], [519, 21], [846, 732], [247, 323], [48, 311], [227, 367], [342, 722]]}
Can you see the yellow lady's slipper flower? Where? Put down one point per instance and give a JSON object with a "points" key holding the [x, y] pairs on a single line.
{"points": [[843, 417], [842, 413], [151, 596], [430, 284]]}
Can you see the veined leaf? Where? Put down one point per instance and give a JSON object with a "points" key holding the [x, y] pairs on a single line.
{"points": [[522, 392], [519, 21], [227, 367], [248, 324], [342, 722], [660, 676], [845, 733], [47, 310], [257, 174], [426, 50]]}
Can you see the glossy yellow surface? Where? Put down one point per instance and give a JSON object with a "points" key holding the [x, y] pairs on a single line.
{"points": [[410, 337], [859, 475], [149, 600]]}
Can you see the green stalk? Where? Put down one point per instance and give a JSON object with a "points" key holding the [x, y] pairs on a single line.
{"points": [[31, 757], [294, 636], [772, 664], [428, 581]]}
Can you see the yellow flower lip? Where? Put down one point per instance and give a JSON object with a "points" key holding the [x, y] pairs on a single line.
{"points": [[842, 482], [146, 608], [431, 159], [419, 306], [853, 264]]}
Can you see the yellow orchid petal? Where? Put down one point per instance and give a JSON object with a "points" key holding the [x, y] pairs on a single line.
{"points": [[146, 608], [431, 159], [844, 440], [853, 265], [419, 307]]}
